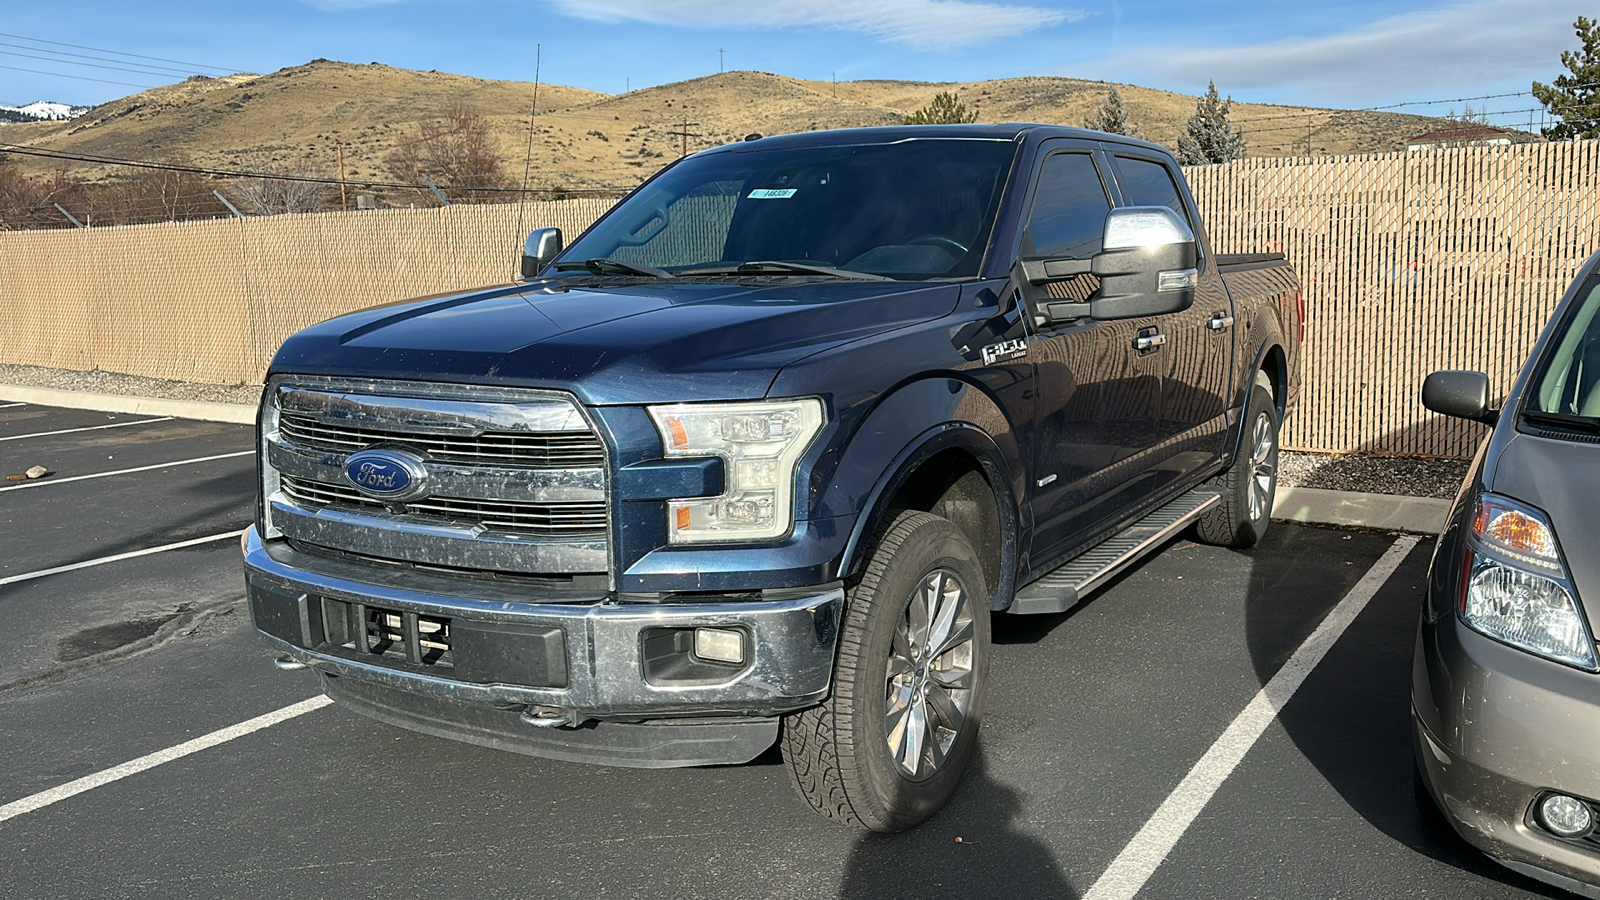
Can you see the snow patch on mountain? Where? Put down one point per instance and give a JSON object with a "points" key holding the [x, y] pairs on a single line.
{"points": [[42, 110]]}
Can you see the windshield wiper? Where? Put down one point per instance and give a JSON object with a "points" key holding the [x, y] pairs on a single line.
{"points": [[605, 266], [1563, 420], [759, 266]]}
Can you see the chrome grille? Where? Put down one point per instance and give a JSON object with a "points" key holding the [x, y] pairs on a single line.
{"points": [[542, 450], [552, 520]]}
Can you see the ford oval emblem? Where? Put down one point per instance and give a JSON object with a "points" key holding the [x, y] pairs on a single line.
{"points": [[387, 474]]}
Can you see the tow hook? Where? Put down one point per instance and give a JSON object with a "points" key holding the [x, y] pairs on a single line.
{"points": [[549, 717], [288, 663]]}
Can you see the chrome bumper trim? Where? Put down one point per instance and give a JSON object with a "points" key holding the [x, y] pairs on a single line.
{"points": [[792, 646]]}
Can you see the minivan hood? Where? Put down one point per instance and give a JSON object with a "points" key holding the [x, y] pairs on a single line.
{"points": [[1558, 477], [651, 343]]}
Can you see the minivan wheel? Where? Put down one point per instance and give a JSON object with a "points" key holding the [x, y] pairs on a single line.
{"points": [[887, 749], [1249, 485]]}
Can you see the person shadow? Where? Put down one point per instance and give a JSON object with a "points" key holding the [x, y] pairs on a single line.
{"points": [[973, 847]]}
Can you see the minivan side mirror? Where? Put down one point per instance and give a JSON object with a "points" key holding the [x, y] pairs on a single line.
{"points": [[542, 246], [1459, 393]]}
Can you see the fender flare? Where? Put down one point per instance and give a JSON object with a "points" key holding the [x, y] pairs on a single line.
{"points": [[920, 449]]}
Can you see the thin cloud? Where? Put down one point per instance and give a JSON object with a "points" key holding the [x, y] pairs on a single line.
{"points": [[922, 24], [1430, 52]]}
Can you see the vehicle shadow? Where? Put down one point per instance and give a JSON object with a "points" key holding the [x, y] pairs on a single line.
{"points": [[972, 848], [1351, 718]]}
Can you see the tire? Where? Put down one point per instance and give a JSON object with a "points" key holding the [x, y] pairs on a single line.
{"points": [[1249, 485], [887, 749]]}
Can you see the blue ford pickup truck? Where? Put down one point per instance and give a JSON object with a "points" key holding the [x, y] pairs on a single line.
{"points": [[758, 455]]}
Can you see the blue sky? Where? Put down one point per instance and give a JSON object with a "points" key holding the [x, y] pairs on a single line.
{"points": [[1357, 54]]}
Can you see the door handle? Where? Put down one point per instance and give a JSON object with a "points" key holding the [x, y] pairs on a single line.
{"points": [[1149, 341], [1219, 321]]}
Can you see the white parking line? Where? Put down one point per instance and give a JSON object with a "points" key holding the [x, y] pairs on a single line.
{"points": [[10, 405], [1140, 858], [28, 576], [18, 437], [166, 465], [135, 766]]}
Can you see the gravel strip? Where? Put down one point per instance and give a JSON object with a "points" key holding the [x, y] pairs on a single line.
{"points": [[1410, 476], [98, 382], [1331, 471]]}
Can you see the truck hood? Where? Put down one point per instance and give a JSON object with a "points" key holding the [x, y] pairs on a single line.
{"points": [[650, 343]]}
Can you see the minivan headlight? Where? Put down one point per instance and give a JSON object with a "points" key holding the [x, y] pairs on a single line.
{"points": [[1517, 588], [760, 444]]}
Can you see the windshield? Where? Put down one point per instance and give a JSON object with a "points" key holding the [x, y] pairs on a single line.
{"points": [[913, 209], [1569, 384]]}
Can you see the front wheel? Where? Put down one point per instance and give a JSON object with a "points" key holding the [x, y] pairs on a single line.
{"points": [[887, 749], [1251, 483]]}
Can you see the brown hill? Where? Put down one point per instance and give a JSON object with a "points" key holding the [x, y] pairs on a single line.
{"points": [[590, 140]]}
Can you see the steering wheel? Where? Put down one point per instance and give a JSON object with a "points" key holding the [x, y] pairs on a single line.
{"points": [[939, 240]]}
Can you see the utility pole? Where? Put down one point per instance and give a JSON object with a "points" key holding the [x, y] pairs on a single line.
{"points": [[344, 201], [720, 68], [685, 134], [836, 85]]}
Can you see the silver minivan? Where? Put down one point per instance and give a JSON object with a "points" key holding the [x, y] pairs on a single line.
{"points": [[1506, 679]]}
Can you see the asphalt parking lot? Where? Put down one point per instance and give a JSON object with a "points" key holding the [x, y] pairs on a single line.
{"points": [[1100, 774]]}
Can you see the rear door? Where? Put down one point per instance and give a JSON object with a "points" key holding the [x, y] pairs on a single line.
{"points": [[1098, 396], [1194, 363]]}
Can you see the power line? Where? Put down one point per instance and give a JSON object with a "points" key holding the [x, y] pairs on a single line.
{"points": [[34, 40], [68, 62], [58, 53], [78, 77]]}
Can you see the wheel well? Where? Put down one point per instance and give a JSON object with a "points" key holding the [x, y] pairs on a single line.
{"points": [[952, 485], [1277, 371]]}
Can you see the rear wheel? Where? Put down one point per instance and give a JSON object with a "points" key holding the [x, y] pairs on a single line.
{"points": [[1249, 485], [887, 749]]}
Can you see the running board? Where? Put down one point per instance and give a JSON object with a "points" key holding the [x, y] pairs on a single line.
{"points": [[1061, 590]]}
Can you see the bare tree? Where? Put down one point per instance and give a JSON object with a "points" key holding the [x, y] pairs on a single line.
{"points": [[268, 196], [456, 152], [138, 195], [27, 202]]}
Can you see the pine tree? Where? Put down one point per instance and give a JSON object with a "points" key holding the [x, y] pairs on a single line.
{"points": [[946, 109], [1112, 117], [1209, 138], [1575, 98]]}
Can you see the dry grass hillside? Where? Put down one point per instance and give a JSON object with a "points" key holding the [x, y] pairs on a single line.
{"points": [[590, 140]]}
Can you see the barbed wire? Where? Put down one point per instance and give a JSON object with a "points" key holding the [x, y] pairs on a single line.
{"points": [[301, 179]]}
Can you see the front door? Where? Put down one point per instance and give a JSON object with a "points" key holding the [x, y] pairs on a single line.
{"points": [[1099, 396]]}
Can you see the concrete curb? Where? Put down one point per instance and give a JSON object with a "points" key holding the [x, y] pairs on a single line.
{"points": [[1386, 512], [150, 406]]}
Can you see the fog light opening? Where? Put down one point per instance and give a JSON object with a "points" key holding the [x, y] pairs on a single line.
{"points": [[719, 645], [1565, 816]]}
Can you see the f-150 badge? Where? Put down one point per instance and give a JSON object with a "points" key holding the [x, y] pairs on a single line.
{"points": [[1005, 351]]}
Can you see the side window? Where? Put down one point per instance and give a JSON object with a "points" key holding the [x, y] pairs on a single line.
{"points": [[1147, 183], [1068, 219]]}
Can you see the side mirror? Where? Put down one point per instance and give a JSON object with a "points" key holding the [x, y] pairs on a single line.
{"points": [[542, 246], [1146, 265], [1459, 393]]}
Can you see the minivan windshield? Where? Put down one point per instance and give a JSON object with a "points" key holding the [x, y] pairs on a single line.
{"points": [[913, 209], [1568, 387]]}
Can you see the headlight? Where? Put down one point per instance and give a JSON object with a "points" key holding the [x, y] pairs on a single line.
{"points": [[760, 445], [270, 483], [1517, 588]]}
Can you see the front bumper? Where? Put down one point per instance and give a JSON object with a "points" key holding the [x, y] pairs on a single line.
{"points": [[569, 663], [1495, 728]]}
